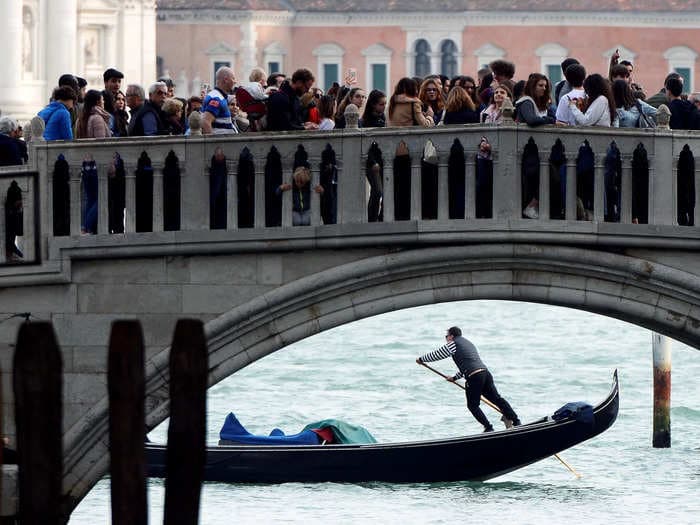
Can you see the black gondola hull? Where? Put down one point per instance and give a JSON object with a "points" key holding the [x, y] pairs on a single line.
{"points": [[476, 458]]}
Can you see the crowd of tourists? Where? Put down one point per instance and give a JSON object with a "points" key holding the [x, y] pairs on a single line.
{"points": [[276, 102]]}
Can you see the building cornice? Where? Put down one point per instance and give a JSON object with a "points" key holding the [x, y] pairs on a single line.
{"points": [[454, 20]]}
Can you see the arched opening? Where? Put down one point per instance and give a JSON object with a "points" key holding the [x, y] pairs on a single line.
{"points": [[448, 59], [422, 59]]}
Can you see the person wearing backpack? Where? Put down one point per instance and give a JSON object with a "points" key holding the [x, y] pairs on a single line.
{"points": [[684, 114]]}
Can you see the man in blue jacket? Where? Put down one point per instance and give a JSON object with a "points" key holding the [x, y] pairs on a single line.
{"points": [[57, 114], [479, 379]]}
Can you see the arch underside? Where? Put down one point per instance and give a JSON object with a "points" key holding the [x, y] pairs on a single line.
{"points": [[639, 291]]}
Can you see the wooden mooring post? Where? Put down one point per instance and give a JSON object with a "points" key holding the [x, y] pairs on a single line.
{"points": [[661, 350], [38, 387]]}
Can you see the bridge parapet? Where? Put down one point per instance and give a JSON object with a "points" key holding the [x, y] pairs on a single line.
{"points": [[583, 186]]}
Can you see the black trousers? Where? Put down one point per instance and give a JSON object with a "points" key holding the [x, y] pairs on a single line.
{"points": [[481, 384]]}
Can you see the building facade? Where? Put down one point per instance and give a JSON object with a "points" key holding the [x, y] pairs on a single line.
{"points": [[385, 40], [47, 38]]}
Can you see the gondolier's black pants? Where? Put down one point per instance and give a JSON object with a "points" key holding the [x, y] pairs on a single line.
{"points": [[481, 384]]}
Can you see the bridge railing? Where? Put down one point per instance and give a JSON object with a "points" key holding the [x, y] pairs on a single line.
{"points": [[136, 185]]}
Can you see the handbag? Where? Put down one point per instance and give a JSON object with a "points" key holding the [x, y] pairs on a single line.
{"points": [[430, 154], [644, 121]]}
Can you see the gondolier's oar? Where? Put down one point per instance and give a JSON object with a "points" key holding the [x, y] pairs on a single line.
{"points": [[489, 403]]}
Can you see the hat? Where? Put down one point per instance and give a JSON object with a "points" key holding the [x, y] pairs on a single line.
{"points": [[112, 73]]}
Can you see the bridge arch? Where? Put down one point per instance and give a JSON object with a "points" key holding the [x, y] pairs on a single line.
{"points": [[636, 290]]}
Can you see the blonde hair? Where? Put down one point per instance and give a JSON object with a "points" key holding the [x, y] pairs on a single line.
{"points": [[257, 74], [301, 176], [171, 106]]}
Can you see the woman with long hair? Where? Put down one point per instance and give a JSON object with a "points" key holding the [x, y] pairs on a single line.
{"points": [[355, 96], [405, 107], [94, 120], [460, 108], [601, 109], [629, 108], [534, 107], [326, 110], [374, 115], [121, 117], [430, 95], [493, 113]]}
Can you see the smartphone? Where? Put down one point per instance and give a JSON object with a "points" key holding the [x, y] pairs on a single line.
{"points": [[352, 75]]}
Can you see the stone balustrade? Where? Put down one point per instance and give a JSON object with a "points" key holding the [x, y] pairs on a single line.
{"points": [[193, 157]]}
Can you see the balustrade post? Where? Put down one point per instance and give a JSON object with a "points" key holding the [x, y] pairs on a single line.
{"points": [[545, 195], [158, 199], [259, 163], [352, 202], [231, 197], [4, 184], [507, 184], [76, 203], [598, 189], [662, 206], [388, 189], [102, 199], [315, 197], [443, 192], [571, 180], [130, 200], [29, 225], [626, 189], [48, 204], [470, 185], [416, 187]]}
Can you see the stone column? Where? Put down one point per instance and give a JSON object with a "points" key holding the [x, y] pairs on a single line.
{"points": [[11, 63], [61, 41], [249, 51], [136, 53]]}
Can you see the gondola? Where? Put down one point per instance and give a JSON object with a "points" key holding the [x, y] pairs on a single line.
{"points": [[471, 458]]}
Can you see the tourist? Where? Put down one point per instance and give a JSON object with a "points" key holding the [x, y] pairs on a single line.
{"points": [[601, 105], [684, 114], [405, 107], [12, 150], [575, 75], [216, 112], [493, 114], [301, 195], [121, 117], [473, 370], [93, 122], [533, 108], [374, 115], [113, 83], [148, 120], [284, 107], [430, 95], [57, 116], [563, 86], [172, 116], [326, 110], [460, 108], [630, 110], [356, 96]]}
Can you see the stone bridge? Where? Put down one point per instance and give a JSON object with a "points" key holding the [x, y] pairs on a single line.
{"points": [[260, 286]]}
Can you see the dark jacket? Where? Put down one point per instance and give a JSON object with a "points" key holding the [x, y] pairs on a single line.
{"points": [[463, 116], [284, 112], [374, 121], [526, 111], [11, 151], [684, 115], [136, 124]]}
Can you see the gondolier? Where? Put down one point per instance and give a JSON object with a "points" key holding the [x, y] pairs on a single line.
{"points": [[479, 379]]}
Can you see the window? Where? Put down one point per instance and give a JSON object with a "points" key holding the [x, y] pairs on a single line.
{"points": [[379, 77], [273, 56], [217, 65], [448, 58], [422, 65], [551, 57], [377, 67], [329, 64], [330, 75], [220, 55], [681, 59], [487, 54]]}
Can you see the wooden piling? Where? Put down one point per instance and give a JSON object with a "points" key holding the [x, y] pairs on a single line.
{"points": [[661, 349], [187, 431], [38, 387], [127, 430]]}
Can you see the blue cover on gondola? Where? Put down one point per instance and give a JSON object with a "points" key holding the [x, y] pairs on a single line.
{"points": [[579, 410], [234, 431]]}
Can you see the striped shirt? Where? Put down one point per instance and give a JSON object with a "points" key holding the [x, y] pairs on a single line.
{"points": [[445, 351], [216, 103]]}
